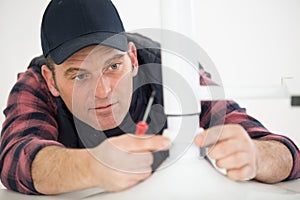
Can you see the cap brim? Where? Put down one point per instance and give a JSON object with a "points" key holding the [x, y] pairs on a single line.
{"points": [[67, 49]]}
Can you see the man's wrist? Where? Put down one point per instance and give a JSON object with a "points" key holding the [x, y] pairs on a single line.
{"points": [[87, 165], [274, 161]]}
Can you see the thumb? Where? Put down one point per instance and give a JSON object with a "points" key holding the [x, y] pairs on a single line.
{"points": [[199, 139], [209, 137]]}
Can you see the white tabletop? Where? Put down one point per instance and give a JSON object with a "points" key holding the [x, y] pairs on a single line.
{"points": [[188, 178]]}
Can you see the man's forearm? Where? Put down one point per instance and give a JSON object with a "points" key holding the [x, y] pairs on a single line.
{"points": [[274, 161], [58, 170]]}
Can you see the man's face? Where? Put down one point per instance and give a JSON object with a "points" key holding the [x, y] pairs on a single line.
{"points": [[96, 84]]}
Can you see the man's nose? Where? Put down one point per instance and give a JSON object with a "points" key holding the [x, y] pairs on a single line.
{"points": [[103, 87]]}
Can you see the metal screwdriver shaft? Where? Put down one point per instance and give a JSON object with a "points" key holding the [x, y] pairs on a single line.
{"points": [[142, 126], [148, 108]]}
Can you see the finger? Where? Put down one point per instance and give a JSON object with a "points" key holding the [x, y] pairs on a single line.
{"points": [[142, 176], [137, 178], [218, 133], [234, 161], [242, 174], [131, 163], [120, 160], [146, 144], [209, 137], [226, 148], [126, 180], [136, 162]]}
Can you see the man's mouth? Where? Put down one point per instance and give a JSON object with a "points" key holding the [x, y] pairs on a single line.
{"points": [[105, 109]]}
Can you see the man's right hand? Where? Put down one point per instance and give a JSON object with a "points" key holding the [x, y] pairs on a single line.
{"points": [[124, 161]]}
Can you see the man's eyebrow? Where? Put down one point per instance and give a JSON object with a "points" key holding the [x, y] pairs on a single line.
{"points": [[73, 70], [109, 61]]}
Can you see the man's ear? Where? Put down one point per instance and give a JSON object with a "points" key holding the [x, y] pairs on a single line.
{"points": [[48, 76], [133, 57]]}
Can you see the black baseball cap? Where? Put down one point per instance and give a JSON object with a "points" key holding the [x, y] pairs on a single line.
{"points": [[71, 25]]}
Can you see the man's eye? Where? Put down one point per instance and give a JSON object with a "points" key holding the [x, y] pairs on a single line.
{"points": [[81, 77], [114, 66]]}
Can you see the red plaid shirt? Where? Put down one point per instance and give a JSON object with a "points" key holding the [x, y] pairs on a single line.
{"points": [[30, 125]]}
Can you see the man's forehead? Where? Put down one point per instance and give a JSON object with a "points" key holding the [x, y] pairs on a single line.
{"points": [[91, 58], [92, 51], [99, 50]]}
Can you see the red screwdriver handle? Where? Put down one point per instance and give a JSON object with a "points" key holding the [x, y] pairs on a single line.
{"points": [[141, 128]]}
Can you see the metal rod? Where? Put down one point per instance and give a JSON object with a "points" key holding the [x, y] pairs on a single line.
{"points": [[151, 99]]}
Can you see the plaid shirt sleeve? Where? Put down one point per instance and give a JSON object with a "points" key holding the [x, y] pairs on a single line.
{"points": [[229, 112], [30, 125]]}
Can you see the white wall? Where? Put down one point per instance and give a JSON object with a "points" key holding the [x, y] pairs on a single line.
{"points": [[251, 38], [253, 43], [19, 39]]}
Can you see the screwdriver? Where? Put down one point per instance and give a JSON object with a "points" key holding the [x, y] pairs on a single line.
{"points": [[142, 126]]}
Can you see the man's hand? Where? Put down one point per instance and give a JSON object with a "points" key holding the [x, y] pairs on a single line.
{"points": [[124, 161], [116, 164], [232, 149], [244, 158]]}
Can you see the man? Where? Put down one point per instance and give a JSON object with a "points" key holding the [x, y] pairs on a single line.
{"points": [[69, 121]]}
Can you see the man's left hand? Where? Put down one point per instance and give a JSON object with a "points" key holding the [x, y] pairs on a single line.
{"points": [[268, 161], [233, 150]]}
